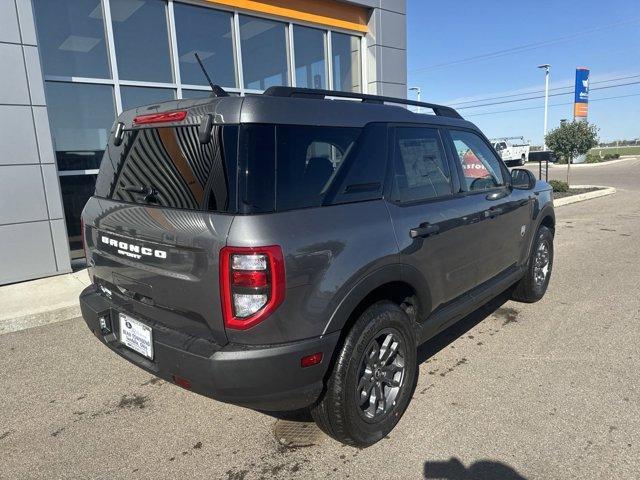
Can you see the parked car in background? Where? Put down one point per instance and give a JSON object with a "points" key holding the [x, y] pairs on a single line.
{"points": [[285, 251], [512, 150]]}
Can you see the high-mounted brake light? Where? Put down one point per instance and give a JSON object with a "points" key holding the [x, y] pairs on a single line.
{"points": [[252, 284], [176, 116]]}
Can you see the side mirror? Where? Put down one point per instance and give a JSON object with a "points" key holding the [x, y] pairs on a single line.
{"points": [[522, 179]]}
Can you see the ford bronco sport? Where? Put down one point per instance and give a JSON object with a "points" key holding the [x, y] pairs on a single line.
{"points": [[290, 251]]}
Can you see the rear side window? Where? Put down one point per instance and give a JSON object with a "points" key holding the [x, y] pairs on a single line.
{"points": [[307, 161], [288, 167], [169, 167], [421, 171]]}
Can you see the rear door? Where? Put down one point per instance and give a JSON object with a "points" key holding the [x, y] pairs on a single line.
{"points": [[504, 213], [434, 225], [160, 215]]}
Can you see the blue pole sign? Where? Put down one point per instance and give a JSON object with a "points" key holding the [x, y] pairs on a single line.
{"points": [[581, 100]]}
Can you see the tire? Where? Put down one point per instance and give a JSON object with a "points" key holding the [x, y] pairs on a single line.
{"points": [[533, 285], [341, 411], [523, 159]]}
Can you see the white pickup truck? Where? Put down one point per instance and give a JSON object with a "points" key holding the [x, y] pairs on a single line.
{"points": [[512, 150]]}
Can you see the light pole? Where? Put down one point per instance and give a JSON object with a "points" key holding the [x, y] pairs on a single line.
{"points": [[418, 92], [546, 67]]}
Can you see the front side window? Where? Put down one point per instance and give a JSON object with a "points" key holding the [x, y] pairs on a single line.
{"points": [[480, 166], [421, 171]]}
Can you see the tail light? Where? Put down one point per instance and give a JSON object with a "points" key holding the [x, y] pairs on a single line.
{"points": [[176, 116], [252, 284]]}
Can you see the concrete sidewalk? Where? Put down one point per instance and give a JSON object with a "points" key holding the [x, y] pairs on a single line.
{"points": [[47, 300]]}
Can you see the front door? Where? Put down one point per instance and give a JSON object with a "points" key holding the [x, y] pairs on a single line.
{"points": [[504, 213]]}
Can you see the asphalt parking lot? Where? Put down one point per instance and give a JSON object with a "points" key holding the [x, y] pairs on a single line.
{"points": [[543, 391]]}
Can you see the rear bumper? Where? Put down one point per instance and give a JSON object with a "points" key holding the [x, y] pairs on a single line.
{"points": [[265, 378]]}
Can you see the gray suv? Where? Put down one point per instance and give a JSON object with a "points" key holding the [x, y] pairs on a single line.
{"points": [[290, 251]]}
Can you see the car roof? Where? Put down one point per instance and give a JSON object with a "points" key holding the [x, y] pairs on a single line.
{"points": [[301, 110]]}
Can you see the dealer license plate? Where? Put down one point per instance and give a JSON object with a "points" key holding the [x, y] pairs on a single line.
{"points": [[136, 335]]}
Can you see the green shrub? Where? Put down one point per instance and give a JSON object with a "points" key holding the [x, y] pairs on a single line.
{"points": [[611, 156], [559, 186], [593, 158]]}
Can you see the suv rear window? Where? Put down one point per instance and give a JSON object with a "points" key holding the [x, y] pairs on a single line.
{"points": [[289, 167], [169, 167]]}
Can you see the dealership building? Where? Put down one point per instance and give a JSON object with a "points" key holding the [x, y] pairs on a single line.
{"points": [[69, 67]]}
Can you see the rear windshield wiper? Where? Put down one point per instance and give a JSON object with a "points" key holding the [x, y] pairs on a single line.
{"points": [[150, 193]]}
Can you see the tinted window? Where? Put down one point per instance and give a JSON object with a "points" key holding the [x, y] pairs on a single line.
{"points": [[308, 159], [71, 38], [141, 40], [258, 148], [207, 32], [292, 166], [173, 167], [480, 166], [364, 178], [421, 170]]}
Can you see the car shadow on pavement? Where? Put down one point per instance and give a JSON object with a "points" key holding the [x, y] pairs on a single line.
{"points": [[458, 329], [454, 469]]}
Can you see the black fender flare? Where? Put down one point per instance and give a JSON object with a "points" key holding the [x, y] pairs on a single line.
{"points": [[395, 272], [539, 216]]}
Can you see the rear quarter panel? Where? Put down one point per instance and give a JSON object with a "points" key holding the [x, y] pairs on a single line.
{"points": [[328, 251]]}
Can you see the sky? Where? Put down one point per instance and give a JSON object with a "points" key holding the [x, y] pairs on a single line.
{"points": [[604, 36]]}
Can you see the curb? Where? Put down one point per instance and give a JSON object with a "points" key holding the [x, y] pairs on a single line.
{"points": [[589, 165], [584, 196], [600, 164], [10, 325]]}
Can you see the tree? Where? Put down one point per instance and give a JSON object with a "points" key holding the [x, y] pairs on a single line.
{"points": [[572, 139]]}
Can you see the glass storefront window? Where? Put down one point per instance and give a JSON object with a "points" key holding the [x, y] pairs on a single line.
{"points": [[192, 94], [71, 38], [141, 40], [264, 53], [309, 50], [136, 96], [76, 190], [346, 62], [186, 93], [81, 116], [207, 32]]}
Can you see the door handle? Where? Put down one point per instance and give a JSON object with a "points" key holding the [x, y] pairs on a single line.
{"points": [[497, 195], [424, 230]]}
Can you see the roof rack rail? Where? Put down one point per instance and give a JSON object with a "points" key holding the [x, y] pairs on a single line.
{"points": [[440, 110]]}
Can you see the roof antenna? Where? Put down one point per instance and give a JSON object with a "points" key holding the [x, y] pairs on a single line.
{"points": [[217, 90]]}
